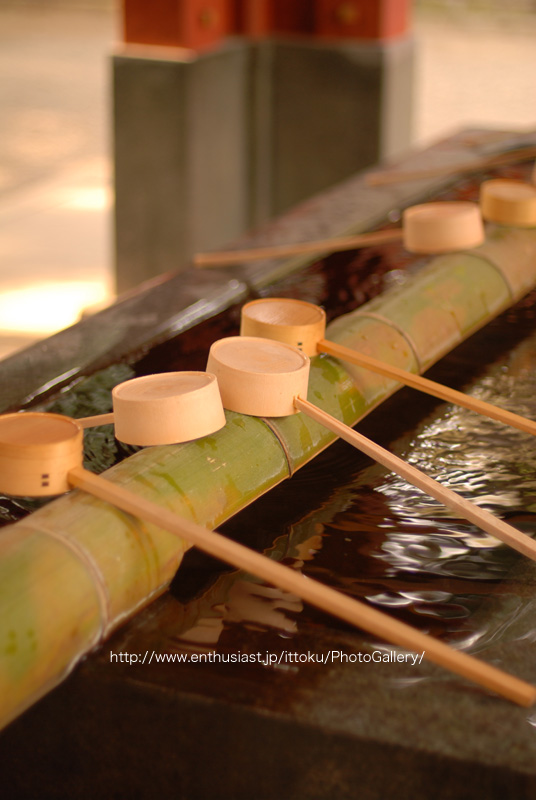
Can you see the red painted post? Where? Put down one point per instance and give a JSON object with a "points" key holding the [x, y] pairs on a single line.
{"points": [[257, 18], [194, 24], [254, 18], [294, 16], [362, 19]]}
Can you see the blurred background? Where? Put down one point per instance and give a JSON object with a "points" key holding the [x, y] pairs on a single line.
{"points": [[475, 66]]}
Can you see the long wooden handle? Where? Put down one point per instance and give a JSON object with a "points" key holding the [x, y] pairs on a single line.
{"points": [[325, 598], [427, 386], [227, 257], [468, 510], [386, 178], [98, 419]]}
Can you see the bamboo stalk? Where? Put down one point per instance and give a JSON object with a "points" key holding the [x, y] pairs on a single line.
{"points": [[387, 178], [319, 595], [229, 257], [488, 522], [428, 387], [447, 300]]}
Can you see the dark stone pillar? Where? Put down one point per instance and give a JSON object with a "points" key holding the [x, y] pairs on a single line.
{"points": [[324, 111], [214, 140], [181, 143]]}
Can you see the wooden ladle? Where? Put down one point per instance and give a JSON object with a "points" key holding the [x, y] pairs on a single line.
{"points": [[509, 202], [265, 378], [166, 408], [431, 228], [303, 325], [42, 454]]}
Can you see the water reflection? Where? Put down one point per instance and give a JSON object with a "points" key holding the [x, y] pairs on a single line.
{"points": [[241, 599], [255, 606]]}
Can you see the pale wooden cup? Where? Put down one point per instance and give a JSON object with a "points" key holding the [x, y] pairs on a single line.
{"points": [[294, 322], [167, 408], [509, 202], [36, 453], [258, 376], [442, 227]]}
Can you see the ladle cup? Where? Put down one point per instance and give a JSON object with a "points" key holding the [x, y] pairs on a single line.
{"points": [[509, 202], [166, 408]]}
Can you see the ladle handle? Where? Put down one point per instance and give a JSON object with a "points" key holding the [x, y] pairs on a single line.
{"points": [[399, 176], [229, 257], [323, 597], [98, 419], [465, 508], [427, 386]]}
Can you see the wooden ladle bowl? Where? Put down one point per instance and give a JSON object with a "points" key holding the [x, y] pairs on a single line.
{"points": [[257, 376], [509, 202], [442, 227], [167, 408], [36, 453], [293, 322]]}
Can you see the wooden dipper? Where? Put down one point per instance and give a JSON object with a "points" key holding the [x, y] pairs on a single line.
{"points": [[437, 227], [442, 227], [303, 325], [259, 377], [509, 202], [295, 322], [36, 453], [166, 408]]}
